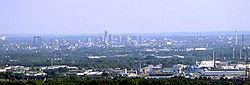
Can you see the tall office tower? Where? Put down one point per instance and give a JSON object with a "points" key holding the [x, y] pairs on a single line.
{"points": [[139, 39], [106, 33], [102, 38], [128, 38], [111, 38], [236, 37], [37, 41], [120, 39], [106, 37], [125, 39], [242, 40]]}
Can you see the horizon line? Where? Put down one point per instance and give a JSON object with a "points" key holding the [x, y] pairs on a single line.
{"points": [[113, 33]]}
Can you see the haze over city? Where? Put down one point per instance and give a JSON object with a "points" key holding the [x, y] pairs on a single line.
{"points": [[124, 42], [122, 16]]}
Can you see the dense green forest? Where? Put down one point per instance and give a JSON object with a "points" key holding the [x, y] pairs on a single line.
{"points": [[124, 81]]}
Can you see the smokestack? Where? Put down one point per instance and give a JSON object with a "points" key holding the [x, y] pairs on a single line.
{"points": [[240, 54], [242, 46], [233, 53], [214, 58], [245, 55], [213, 55], [236, 37]]}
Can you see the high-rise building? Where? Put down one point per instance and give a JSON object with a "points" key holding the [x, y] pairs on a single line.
{"points": [[106, 37], [242, 40], [88, 40], [106, 34], [236, 37], [125, 39], [3, 37], [139, 39], [110, 38], [120, 39], [37, 41], [102, 38], [128, 38]]}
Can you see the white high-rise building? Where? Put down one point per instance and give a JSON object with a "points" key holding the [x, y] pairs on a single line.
{"points": [[3, 37]]}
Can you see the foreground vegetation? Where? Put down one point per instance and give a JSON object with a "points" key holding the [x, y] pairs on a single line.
{"points": [[123, 81]]}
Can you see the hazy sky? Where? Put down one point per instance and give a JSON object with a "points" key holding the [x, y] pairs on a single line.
{"points": [[122, 16]]}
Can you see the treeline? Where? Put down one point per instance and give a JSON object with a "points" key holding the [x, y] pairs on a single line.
{"points": [[78, 57], [124, 81]]}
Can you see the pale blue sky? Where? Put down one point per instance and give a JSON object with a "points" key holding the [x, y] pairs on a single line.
{"points": [[122, 16]]}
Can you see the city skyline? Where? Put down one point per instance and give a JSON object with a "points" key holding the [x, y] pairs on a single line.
{"points": [[163, 16], [124, 42]]}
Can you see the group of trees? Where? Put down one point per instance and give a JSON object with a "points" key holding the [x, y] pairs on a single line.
{"points": [[20, 79], [78, 57], [123, 81]]}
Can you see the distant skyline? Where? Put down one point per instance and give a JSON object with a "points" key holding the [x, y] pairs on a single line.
{"points": [[122, 16]]}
